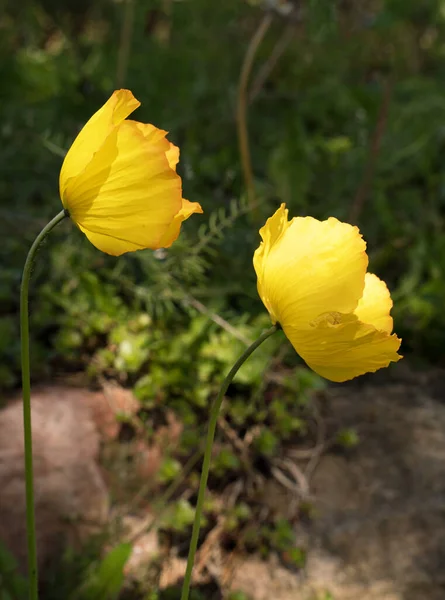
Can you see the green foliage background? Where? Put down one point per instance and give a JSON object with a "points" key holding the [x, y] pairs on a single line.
{"points": [[350, 123], [311, 127]]}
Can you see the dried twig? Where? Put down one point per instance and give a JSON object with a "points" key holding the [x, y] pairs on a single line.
{"points": [[151, 520], [298, 484], [217, 319], [236, 442], [270, 64], [125, 43], [373, 153], [206, 552], [243, 136]]}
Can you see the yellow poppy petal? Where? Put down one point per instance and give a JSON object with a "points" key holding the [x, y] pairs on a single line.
{"points": [[308, 267], [153, 135], [93, 135], [274, 228], [188, 208], [340, 347], [173, 156], [157, 139], [108, 244], [375, 304], [127, 192]]}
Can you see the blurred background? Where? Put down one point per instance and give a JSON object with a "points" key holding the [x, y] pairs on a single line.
{"points": [[333, 107]]}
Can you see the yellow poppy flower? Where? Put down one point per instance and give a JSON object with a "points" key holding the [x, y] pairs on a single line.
{"points": [[119, 182], [312, 279]]}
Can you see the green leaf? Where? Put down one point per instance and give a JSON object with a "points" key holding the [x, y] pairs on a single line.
{"points": [[12, 585], [105, 582]]}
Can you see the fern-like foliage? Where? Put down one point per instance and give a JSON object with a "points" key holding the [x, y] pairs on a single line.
{"points": [[174, 276], [220, 220]]}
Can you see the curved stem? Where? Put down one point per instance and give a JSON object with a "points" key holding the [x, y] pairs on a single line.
{"points": [[26, 390], [241, 113], [208, 454]]}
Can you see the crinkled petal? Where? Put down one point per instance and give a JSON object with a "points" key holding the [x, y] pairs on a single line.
{"points": [[173, 156], [308, 267], [153, 135], [93, 135], [128, 192], [272, 231], [340, 347], [375, 304], [158, 141], [172, 233]]}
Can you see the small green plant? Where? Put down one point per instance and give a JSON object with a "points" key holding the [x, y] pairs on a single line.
{"points": [[347, 438], [104, 581], [236, 595], [180, 517], [324, 596], [13, 585]]}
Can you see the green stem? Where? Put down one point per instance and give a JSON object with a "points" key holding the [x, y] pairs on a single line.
{"points": [[208, 454], [26, 388]]}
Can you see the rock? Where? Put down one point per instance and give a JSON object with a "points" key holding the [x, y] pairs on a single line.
{"points": [[382, 514], [70, 494], [379, 529]]}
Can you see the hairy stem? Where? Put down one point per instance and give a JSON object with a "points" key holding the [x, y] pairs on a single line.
{"points": [[26, 390], [208, 454]]}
